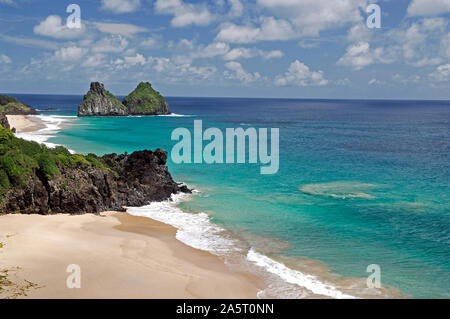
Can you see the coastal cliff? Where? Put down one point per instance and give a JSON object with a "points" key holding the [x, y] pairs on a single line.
{"points": [[100, 102], [144, 100], [11, 106], [35, 179]]}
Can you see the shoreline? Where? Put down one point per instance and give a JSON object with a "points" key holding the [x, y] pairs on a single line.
{"points": [[25, 123]]}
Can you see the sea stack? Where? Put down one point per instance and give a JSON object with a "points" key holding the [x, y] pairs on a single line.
{"points": [[100, 102], [144, 100]]}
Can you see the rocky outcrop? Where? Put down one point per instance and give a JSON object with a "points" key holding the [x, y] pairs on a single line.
{"points": [[132, 180], [100, 102], [11, 106], [4, 121], [144, 100]]}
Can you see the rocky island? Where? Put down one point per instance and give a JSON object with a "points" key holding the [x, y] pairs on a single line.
{"points": [[144, 100]]}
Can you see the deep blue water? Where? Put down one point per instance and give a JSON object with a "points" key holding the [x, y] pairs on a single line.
{"points": [[360, 182]]}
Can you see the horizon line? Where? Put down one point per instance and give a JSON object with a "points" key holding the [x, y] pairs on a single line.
{"points": [[251, 97]]}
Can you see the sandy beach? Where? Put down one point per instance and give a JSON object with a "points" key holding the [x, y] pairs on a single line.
{"points": [[120, 256], [25, 123]]}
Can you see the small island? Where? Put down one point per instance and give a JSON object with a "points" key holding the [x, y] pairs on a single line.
{"points": [[144, 100]]}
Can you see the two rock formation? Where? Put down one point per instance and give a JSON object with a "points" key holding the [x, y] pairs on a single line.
{"points": [[144, 100]]}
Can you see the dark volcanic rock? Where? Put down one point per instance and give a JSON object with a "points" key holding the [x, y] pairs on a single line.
{"points": [[133, 180], [4, 121], [99, 102]]}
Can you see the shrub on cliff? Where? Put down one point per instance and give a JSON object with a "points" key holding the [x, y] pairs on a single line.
{"points": [[21, 159]]}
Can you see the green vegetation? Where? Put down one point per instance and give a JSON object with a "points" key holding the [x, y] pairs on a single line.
{"points": [[20, 160], [9, 104], [144, 98]]}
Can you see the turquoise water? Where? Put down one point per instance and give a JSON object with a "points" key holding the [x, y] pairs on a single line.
{"points": [[360, 182]]}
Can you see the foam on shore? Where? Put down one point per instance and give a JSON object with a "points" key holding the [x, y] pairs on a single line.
{"points": [[53, 124], [197, 230]]}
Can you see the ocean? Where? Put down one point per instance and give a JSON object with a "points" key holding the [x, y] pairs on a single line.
{"points": [[359, 183]]}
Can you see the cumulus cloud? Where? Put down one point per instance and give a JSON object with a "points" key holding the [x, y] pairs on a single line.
{"points": [[71, 53], [110, 45], [299, 74], [5, 59], [310, 17], [53, 27], [95, 60], [121, 6], [428, 7], [270, 29], [185, 14], [236, 72], [126, 30], [274, 54], [361, 55], [238, 53], [441, 74]]}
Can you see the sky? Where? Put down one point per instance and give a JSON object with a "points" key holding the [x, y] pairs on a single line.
{"points": [[228, 48]]}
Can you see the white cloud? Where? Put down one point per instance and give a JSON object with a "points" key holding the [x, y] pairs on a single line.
{"points": [[299, 74], [151, 42], [313, 16], [185, 14], [375, 82], [94, 60], [172, 71], [69, 54], [10, 2], [52, 27], [238, 53], [418, 41], [274, 54], [236, 9], [270, 29], [428, 7], [360, 55], [427, 61], [212, 50], [441, 74], [127, 30], [135, 60], [5, 59], [30, 42], [111, 44], [236, 72], [121, 6]]}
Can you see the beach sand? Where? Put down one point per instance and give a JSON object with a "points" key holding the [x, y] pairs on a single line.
{"points": [[120, 256], [25, 123]]}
